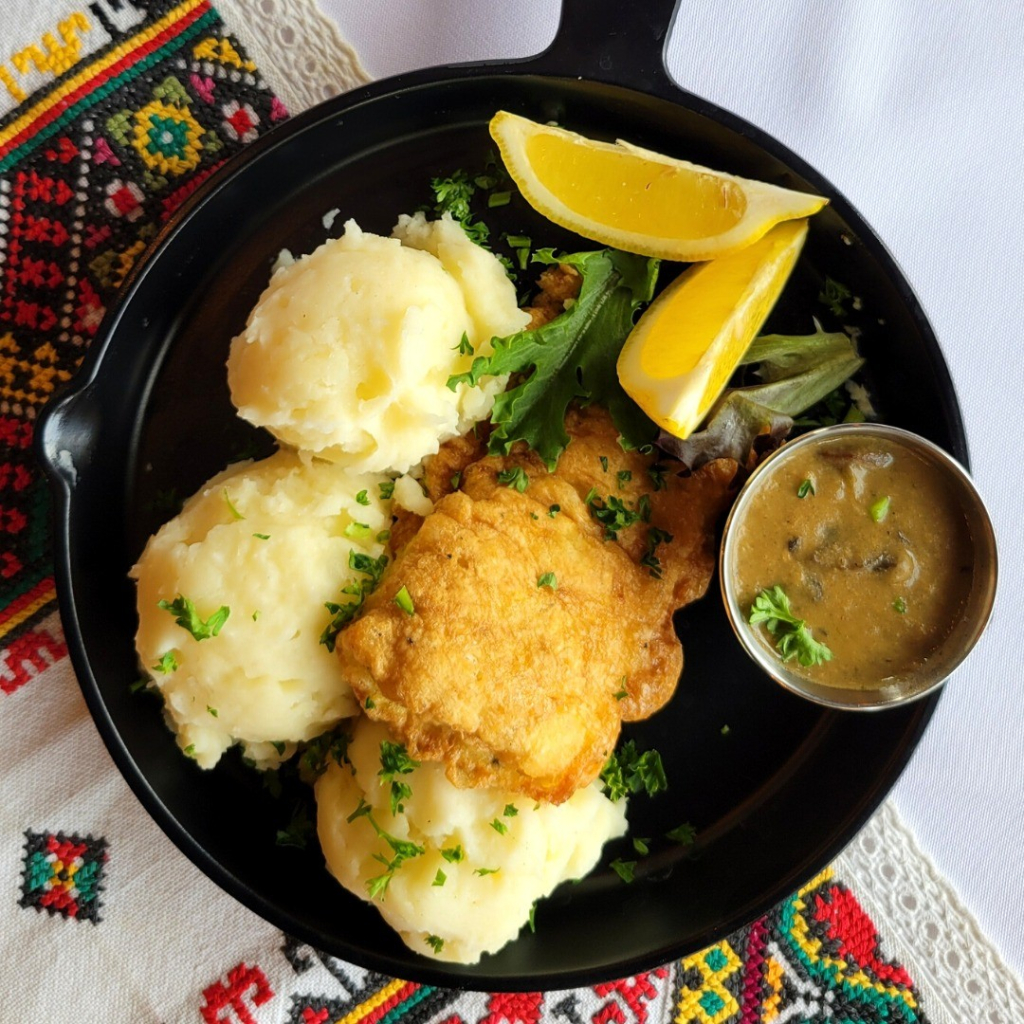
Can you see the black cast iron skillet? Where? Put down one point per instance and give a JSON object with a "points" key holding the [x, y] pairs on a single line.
{"points": [[773, 800]]}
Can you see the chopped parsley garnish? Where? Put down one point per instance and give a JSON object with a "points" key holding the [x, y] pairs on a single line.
{"points": [[212, 711], [792, 637], [624, 868], [641, 846], [510, 811], [383, 537], [363, 498], [725, 730], [547, 580], [278, 745], [387, 489], [496, 199], [570, 358], [515, 478], [435, 943], [186, 616], [807, 487], [622, 693], [402, 849], [880, 509], [553, 510], [455, 480], [612, 514], [464, 348], [655, 536], [533, 921], [319, 751], [486, 871], [899, 605], [357, 531], [452, 195], [683, 834], [520, 245], [657, 475], [262, 536], [834, 295], [139, 684], [231, 506], [369, 704], [623, 476], [395, 760], [630, 771], [404, 601], [499, 826], [439, 879], [343, 614], [168, 663], [190, 750], [604, 463], [298, 831], [453, 854]]}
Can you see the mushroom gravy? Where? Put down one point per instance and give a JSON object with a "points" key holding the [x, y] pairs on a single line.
{"points": [[872, 546]]}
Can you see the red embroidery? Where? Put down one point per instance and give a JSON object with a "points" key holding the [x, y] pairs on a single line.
{"points": [[636, 992], [856, 933], [65, 152], [236, 996], [15, 433], [12, 520], [16, 477], [30, 654], [514, 1007]]}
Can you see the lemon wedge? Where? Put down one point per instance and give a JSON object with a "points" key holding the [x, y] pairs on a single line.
{"points": [[679, 357], [637, 200]]}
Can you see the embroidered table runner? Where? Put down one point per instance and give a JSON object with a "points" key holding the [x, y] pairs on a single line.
{"points": [[113, 114]]}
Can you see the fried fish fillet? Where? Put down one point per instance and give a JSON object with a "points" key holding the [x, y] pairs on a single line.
{"points": [[543, 617]]}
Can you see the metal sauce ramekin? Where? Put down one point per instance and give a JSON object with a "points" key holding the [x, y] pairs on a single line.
{"points": [[950, 652]]}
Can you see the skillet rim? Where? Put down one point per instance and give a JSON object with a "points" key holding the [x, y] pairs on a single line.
{"points": [[48, 438]]}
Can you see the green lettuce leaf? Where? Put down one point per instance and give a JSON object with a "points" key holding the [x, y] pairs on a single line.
{"points": [[797, 372], [571, 358]]}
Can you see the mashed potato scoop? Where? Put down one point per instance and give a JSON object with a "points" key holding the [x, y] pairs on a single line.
{"points": [[348, 351], [269, 542], [485, 855]]}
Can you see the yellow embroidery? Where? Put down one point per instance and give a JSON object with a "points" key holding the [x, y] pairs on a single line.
{"points": [[773, 979], [43, 598], [373, 1002], [221, 51], [167, 138], [111, 57], [55, 58], [712, 1002], [16, 91], [42, 371]]}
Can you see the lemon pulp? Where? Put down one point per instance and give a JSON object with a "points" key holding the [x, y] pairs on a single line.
{"points": [[679, 357], [627, 191]]}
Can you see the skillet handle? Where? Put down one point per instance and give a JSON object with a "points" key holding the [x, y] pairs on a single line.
{"points": [[612, 41]]}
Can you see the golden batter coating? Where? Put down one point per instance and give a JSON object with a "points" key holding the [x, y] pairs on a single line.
{"points": [[535, 632]]}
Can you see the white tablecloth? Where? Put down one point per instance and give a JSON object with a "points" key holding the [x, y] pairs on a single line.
{"points": [[914, 110]]}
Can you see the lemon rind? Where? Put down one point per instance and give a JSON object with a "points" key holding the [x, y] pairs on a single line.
{"points": [[510, 132]]}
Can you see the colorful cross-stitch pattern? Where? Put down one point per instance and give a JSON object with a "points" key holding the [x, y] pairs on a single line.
{"points": [[90, 167], [63, 874], [814, 959]]}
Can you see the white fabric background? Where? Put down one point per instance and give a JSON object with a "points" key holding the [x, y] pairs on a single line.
{"points": [[915, 110]]}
